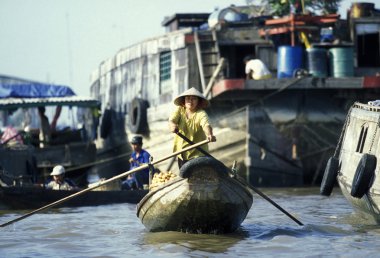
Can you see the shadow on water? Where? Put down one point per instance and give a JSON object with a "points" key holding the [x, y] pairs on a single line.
{"points": [[223, 243], [200, 242]]}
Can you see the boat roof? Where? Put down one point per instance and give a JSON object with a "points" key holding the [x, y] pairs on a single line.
{"points": [[34, 90], [10, 103], [27, 95]]}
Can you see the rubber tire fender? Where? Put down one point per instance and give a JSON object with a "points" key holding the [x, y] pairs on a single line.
{"points": [[364, 175], [329, 177], [199, 162], [138, 116]]}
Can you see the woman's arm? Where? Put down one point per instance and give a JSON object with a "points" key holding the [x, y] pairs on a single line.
{"points": [[174, 120], [173, 127], [209, 134]]}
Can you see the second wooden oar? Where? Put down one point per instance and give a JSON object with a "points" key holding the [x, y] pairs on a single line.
{"points": [[103, 183]]}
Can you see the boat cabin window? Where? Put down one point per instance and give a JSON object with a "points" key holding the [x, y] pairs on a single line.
{"points": [[362, 138], [368, 45], [235, 54], [165, 71]]}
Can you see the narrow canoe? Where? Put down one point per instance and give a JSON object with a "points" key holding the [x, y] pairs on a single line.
{"points": [[204, 199], [36, 197]]}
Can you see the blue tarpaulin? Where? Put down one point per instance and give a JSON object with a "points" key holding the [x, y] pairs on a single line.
{"points": [[34, 90]]}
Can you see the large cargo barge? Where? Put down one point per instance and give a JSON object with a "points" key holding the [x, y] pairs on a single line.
{"points": [[280, 130]]}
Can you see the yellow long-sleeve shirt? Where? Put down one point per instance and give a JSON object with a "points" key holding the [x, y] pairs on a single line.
{"points": [[192, 128]]}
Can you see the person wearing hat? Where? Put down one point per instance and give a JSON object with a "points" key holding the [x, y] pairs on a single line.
{"points": [[59, 181], [139, 156], [190, 119]]}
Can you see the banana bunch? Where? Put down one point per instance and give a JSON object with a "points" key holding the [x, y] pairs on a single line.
{"points": [[161, 178]]}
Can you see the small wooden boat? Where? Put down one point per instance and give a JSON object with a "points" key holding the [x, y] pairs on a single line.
{"points": [[204, 199], [17, 197], [355, 164]]}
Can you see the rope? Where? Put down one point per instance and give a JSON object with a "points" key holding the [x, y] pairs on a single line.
{"points": [[374, 135], [346, 123]]}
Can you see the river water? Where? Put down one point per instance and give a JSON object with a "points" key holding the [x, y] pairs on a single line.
{"points": [[332, 229]]}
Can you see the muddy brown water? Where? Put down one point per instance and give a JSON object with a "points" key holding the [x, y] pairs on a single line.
{"points": [[332, 229]]}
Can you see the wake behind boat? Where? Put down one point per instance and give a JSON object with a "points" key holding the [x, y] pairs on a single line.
{"points": [[204, 199]]}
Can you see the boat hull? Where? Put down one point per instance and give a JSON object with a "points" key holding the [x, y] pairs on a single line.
{"points": [[369, 204], [208, 201], [361, 135], [35, 197]]}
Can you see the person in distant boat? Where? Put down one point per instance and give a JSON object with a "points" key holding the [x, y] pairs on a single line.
{"points": [[59, 181], [139, 157], [255, 69], [45, 130], [190, 119], [58, 111], [11, 136], [96, 113]]}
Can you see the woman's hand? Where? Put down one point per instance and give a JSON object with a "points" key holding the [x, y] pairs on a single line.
{"points": [[210, 135], [211, 138], [173, 127]]}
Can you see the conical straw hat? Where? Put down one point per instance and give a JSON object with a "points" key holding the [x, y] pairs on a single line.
{"points": [[180, 100]]}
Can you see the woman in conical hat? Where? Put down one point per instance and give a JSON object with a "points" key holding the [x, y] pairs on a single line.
{"points": [[190, 119]]}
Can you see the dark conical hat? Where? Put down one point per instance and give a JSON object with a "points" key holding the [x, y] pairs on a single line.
{"points": [[180, 100]]}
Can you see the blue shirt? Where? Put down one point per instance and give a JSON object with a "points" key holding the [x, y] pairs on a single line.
{"points": [[141, 177], [142, 158]]}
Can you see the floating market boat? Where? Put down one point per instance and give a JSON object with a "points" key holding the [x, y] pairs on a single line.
{"points": [[205, 198], [355, 164], [282, 130], [26, 160]]}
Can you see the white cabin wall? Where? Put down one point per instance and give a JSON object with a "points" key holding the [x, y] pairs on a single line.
{"points": [[180, 71], [193, 69], [152, 79], [135, 72], [124, 86]]}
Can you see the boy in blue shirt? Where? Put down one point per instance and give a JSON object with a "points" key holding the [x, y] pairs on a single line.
{"points": [[139, 157]]}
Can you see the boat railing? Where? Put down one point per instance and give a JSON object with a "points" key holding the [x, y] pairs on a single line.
{"points": [[366, 107]]}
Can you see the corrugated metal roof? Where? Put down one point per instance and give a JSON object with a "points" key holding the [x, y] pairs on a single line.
{"points": [[10, 103]]}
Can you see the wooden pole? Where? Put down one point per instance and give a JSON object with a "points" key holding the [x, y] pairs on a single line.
{"points": [[213, 77], [145, 166]]}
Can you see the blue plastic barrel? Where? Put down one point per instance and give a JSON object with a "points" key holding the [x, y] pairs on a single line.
{"points": [[317, 62], [341, 61], [289, 59]]}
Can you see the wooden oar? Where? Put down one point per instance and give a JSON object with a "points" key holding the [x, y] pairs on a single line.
{"points": [[248, 184], [145, 166]]}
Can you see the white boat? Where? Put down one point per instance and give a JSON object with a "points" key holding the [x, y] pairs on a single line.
{"points": [[355, 164]]}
